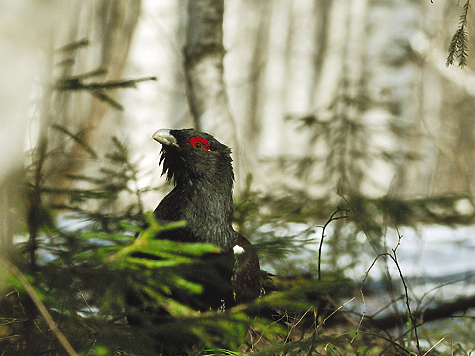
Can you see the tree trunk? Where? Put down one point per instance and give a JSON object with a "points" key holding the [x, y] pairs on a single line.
{"points": [[108, 28], [204, 71]]}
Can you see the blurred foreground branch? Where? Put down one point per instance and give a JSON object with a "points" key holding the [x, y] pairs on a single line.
{"points": [[438, 312], [41, 307]]}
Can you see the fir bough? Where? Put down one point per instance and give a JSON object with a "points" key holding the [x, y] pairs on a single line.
{"points": [[458, 48]]}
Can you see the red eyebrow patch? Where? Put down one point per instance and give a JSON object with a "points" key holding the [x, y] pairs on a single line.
{"points": [[200, 143]]}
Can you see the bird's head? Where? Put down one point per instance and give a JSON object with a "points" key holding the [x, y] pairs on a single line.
{"points": [[190, 156]]}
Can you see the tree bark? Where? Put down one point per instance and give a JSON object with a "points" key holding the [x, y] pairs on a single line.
{"points": [[204, 71]]}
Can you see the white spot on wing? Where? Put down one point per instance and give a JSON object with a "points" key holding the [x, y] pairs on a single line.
{"points": [[238, 249]]}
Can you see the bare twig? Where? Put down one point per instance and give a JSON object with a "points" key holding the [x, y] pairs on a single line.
{"points": [[362, 295], [438, 342], [41, 307], [393, 257], [292, 327], [335, 311], [332, 218]]}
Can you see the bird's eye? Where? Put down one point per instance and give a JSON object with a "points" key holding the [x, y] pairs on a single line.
{"points": [[200, 143]]}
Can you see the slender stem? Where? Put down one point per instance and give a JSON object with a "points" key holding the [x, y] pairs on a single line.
{"points": [[406, 293], [332, 218], [41, 307]]}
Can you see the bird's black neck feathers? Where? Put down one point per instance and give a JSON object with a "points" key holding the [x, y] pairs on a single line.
{"points": [[203, 190]]}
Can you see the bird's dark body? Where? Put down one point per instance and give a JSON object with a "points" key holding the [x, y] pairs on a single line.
{"points": [[203, 190], [201, 170], [202, 197]]}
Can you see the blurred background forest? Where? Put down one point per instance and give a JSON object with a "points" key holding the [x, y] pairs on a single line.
{"points": [[330, 106]]}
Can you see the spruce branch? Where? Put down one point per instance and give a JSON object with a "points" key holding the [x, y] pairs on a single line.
{"points": [[77, 138], [458, 48], [96, 89], [73, 46]]}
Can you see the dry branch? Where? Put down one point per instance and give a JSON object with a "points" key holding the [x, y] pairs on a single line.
{"points": [[41, 307]]}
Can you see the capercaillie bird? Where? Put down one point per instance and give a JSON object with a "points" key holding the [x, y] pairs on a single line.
{"points": [[201, 169]]}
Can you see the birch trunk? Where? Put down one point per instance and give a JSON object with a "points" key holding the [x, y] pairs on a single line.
{"points": [[204, 73]]}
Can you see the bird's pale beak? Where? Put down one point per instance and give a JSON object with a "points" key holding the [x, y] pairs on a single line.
{"points": [[164, 137]]}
